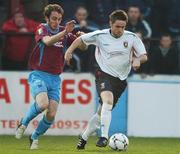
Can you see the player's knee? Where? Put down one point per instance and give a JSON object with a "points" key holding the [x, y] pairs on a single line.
{"points": [[107, 97], [109, 102], [43, 105]]}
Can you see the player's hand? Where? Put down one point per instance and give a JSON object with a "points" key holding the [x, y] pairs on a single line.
{"points": [[136, 63], [79, 33], [68, 57], [70, 26]]}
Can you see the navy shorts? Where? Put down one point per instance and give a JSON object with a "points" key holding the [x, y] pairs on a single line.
{"points": [[106, 82]]}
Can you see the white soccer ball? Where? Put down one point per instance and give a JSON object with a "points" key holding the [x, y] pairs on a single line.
{"points": [[118, 142]]}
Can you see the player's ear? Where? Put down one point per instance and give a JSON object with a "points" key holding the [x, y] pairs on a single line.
{"points": [[47, 19], [110, 23]]}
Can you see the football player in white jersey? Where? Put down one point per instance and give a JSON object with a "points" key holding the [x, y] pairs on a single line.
{"points": [[117, 51]]}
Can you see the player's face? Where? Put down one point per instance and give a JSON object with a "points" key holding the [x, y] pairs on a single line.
{"points": [[54, 20], [117, 28]]}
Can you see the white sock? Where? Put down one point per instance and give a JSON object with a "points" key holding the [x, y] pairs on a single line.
{"points": [[93, 125], [105, 119]]}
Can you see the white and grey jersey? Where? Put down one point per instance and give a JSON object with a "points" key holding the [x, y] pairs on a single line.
{"points": [[114, 54]]}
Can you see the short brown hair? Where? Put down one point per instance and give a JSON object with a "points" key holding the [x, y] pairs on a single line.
{"points": [[52, 7], [118, 15]]}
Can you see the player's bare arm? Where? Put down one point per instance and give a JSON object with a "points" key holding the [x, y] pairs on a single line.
{"points": [[137, 61], [76, 44], [50, 40]]}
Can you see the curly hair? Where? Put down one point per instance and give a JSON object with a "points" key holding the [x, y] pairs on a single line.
{"points": [[52, 7]]}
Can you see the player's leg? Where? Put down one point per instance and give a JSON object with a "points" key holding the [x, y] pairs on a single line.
{"points": [[93, 125], [44, 124], [53, 84], [104, 89], [39, 92], [116, 87], [34, 110], [107, 99], [40, 105]]}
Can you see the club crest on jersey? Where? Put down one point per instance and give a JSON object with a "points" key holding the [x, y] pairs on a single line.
{"points": [[125, 44], [40, 31]]}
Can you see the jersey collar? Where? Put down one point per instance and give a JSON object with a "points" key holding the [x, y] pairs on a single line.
{"points": [[50, 30], [113, 35]]}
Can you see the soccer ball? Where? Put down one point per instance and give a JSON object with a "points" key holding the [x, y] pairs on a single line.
{"points": [[118, 142]]}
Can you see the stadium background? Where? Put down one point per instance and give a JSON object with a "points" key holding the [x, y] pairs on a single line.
{"points": [[148, 108]]}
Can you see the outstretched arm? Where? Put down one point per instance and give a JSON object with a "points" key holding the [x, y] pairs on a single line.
{"points": [[68, 55], [50, 40]]}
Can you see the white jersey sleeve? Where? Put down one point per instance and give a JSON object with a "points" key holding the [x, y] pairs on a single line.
{"points": [[138, 46], [90, 38]]}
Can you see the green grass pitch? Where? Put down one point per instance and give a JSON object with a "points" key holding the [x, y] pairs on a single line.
{"points": [[67, 145]]}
